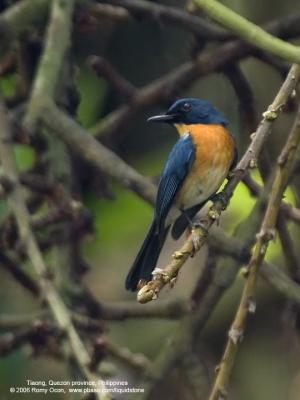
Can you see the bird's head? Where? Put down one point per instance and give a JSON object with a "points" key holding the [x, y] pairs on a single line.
{"points": [[191, 111]]}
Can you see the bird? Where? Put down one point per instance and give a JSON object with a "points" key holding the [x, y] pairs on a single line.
{"points": [[195, 169]]}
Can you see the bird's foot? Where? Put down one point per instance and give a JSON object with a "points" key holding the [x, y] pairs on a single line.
{"points": [[163, 275], [141, 284], [197, 237], [222, 197], [173, 281], [160, 273]]}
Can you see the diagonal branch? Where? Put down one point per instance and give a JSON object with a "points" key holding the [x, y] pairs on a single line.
{"points": [[172, 15], [56, 44], [95, 153], [239, 250], [103, 68], [162, 277], [248, 31], [265, 235], [289, 211], [18, 207], [169, 85], [12, 267]]}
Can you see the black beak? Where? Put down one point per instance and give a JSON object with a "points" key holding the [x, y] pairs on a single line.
{"points": [[168, 118]]}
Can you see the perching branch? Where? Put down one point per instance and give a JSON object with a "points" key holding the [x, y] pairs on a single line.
{"points": [[74, 136], [266, 233], [163, 276], [223, 276]]}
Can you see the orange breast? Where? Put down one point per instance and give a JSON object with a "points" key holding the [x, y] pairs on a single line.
{"points": [[214, 155]]}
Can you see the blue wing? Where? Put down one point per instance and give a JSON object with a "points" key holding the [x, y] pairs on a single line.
{"points": [[176, 168]]}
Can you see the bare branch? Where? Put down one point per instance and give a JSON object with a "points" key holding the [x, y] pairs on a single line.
{"points": [[18, 207], [107, 11], [95, 153], [287, 209], [104, 69], [138, 362], [162, 277], [248, 31], [288, 248], [172, 15], [266, 233], [12, 267], [166, 87], [56, 44]]}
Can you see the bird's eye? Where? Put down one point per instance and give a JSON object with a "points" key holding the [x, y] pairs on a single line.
{"points": [[186, 106]]}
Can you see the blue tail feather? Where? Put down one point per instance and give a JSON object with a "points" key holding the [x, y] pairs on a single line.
{"points": [[147, 257]]}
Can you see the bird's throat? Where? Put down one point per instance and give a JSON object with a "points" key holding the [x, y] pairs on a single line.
{"points": [[182, 129]]}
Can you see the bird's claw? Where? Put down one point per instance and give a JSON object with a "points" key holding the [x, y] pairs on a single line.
{"points": [[173, 281], [178, 255], [159, 273], [196, 237], [221, 196], [199, 225]]}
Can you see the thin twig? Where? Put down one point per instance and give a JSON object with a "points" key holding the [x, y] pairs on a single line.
{"points": [[242, 88], [94, 152], [196, 25], [18, 207], [240, 251], [172, 309], [11, 266], [138, 362], [36, 335], [13, 322], [289, 211], [169, 85], [162, 277], [248, 116], [280, 65], [223, 277], [104, 69], [288, 248], [114, 13], [266, 233]]}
